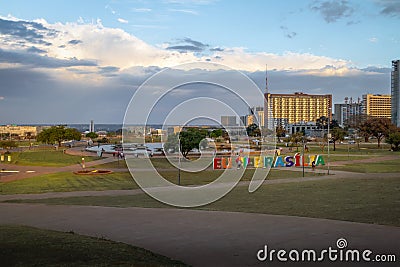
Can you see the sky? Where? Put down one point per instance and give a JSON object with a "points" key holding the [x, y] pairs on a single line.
{"points": [[76, 61]]}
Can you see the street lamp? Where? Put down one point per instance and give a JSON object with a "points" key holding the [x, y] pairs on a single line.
{"points": [[304, 148], [329, 135], [179, 161]]}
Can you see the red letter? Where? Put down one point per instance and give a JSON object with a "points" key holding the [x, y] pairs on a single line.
{"points": [[217, 163]]}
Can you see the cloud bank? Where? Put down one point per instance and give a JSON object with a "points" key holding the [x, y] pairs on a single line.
{"points": [[82, 71]]}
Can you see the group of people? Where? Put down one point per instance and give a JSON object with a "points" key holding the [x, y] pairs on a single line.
{"points": [[118, 154]]}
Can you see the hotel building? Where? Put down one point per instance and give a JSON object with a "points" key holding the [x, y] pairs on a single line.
{"points": [[298, 107], [377, 105]]}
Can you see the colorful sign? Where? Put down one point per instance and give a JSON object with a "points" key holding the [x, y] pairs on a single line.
{"points": [[262, 162]]}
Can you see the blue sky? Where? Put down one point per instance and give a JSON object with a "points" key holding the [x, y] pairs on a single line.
{"points": [[107, 48]]}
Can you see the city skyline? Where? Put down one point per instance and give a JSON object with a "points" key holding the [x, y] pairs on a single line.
{"points": [[60, 64]]}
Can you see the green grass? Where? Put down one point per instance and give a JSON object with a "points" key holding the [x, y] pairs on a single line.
{"points": [[46, 158], [367, 200], [28, 246], [205, 177], [374, 167], [121, 164], [67, 181]]}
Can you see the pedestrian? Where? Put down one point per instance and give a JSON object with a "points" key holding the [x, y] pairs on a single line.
{"points": [[313, 165], [238, 162]]}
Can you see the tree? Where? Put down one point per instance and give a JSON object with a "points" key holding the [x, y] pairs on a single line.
{"points": [[190, 139], [92, 135], [322, 122], [338, 134], [394, 140], [296, 138], [322, 141], [58, 134], [253, 130], [280, 132], [172, 143], [216, 133], [8, 144], [377, 127]]}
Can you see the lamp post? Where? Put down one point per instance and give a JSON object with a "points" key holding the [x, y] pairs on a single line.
{"points": [[179, 162], [304, 148], [329, 135]]}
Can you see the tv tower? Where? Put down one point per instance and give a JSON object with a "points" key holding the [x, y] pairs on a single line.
{"points": [[266, 106]]}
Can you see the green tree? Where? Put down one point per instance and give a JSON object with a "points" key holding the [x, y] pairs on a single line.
{"points": [[394, 140], [377, 127], [253, 130], [280, 132], [8, 144], [296, 138], [216, 133], [189, 139], [92, 135], [337, 134], [58, 134], [322, 122], [172, 143]]}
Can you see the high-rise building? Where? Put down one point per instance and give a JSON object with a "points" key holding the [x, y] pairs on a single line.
{"points": [[395, 86], [228, 120], [91, 126], [348, 113], [298, 107], [377, 105]]}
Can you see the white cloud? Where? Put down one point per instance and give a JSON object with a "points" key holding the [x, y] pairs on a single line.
{"points": [[142, 9], [240, 59], [186, 11], [373, 40], [123, 20], [2, 97], [115, 47]]}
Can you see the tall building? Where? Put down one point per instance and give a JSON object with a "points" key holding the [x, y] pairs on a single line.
{"points": [[298, 107], [228, 120], [377, 105], [395, 86], [349, 112], [91, 126]]}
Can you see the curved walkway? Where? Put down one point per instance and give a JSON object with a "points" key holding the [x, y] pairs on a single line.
{"points": [[207, 238]]}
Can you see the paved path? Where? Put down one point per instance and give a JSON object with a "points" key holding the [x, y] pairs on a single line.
{"points": [[207, 238]]}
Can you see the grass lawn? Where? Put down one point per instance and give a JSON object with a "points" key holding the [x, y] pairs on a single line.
{"points": [[27, 246], [121, 164], [367, 200], [67, 181], [374, 167], [46, 158]]}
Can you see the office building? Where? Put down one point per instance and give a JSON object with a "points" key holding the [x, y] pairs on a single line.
{"points": [[395, 90], [377, 105], [15, 131], [228, 120], [348, 114], [298, 107], [310, 129]]}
